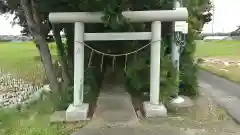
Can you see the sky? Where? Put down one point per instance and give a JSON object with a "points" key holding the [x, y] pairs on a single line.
{"points": [[6, 27], [226, 18]]}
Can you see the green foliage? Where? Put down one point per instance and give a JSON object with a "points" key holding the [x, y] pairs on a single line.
{"points": [[137, 73], [113, 17], [188, 69], [91, 84], [91, 89], [138, 76], [168, 82]]}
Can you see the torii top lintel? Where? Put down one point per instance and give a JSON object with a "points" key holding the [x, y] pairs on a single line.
{"points": [[133, 16]]}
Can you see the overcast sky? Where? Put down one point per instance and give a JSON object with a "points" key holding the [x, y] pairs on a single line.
{"points": [[6, 28], [226, 18]]}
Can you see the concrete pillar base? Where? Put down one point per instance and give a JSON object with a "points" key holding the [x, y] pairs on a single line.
{"points": [[181, 104], [178, 100], [77, 113], [152, 110]]}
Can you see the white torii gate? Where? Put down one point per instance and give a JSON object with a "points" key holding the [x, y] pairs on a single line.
{"points": [[78, 110]]}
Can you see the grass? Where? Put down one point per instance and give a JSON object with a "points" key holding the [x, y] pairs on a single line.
{"points": [[23, 60], [33, 121], [219, 49], [223, 50]]}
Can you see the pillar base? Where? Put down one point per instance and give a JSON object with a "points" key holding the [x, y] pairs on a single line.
{"points": [[181, 104], [77, 113], [178, 100], [152, 110]]}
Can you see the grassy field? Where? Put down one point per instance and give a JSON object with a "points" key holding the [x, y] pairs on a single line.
{"points": [[221, 50], [23, 59]]}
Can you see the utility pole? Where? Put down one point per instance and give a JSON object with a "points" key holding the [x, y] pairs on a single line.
{"points": [[213, 16]]}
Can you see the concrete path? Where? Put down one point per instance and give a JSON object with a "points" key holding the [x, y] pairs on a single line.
{"points": [[224, 92], [115, 115], [114, 108]]}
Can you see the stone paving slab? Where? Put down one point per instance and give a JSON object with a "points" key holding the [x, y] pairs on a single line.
{"points": [[114, 110]]}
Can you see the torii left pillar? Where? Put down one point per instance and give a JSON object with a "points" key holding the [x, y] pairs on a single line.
{"points": [[78, 110]]}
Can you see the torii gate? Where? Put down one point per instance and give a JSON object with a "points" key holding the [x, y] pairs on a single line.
{"points": [[78, 110]]}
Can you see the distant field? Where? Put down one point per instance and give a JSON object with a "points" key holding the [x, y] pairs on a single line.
{"points": [[226, 49], [21, 58], [229, 50]]}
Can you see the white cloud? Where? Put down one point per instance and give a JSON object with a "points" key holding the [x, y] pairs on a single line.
{"points": [[6, 27], [226, 16]]}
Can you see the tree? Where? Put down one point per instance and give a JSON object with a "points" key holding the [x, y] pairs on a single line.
{"points": [[188, 69], [32, 20], [36, 24], [3, 6], [33, 16]]}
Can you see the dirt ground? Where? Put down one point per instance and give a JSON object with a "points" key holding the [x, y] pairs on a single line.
{"points": [[206, 118]]}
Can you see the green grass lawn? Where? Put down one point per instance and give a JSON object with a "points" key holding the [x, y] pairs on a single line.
{"points": [[224, 50], [23, 59]]}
